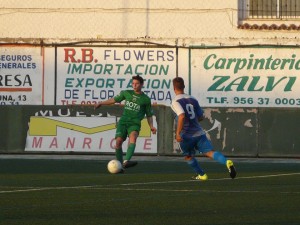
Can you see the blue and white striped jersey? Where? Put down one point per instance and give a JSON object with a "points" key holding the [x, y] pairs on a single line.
{"points": [[188, 105]]}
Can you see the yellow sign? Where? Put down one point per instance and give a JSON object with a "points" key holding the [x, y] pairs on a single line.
{"points": [[46, 126]]}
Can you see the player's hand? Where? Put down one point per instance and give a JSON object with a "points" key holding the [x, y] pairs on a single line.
{"points": [[153, 130], [178, 138]]}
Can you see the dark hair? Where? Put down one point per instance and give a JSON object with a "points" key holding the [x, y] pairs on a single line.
{"points": [[178, 83], [139, 78]]}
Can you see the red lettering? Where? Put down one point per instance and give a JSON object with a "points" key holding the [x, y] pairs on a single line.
{"points": [[87, 142], [70, 142], [69, 54], [112, 144], [147, 144], [53, 143], [100, 143], [87, 55], [37, 143]]}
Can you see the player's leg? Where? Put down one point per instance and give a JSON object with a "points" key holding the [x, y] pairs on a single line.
{"points": [[188, 150], [132, 143], [206, 148], [120, 137], [219, 157], [193, 163], [118, 149], [133, 132]]}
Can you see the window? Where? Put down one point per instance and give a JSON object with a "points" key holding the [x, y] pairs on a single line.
{"points": [[269, 9]]}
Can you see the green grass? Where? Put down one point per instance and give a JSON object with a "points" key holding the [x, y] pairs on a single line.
{"points": [[42, 191]]}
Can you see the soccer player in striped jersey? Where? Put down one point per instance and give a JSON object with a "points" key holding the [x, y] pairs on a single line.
{"points": [[189, 133]]}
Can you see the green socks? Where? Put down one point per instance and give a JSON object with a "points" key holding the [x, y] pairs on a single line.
{"points": [[119, 154], [130, 151]]}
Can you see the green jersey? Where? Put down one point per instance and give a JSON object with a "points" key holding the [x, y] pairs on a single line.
{"points": [[136, 106]]}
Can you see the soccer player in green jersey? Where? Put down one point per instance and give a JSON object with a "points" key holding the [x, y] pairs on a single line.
{"points": [[137, 105]]}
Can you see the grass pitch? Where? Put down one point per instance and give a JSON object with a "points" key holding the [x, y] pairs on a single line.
{"points": [[72, 191]]}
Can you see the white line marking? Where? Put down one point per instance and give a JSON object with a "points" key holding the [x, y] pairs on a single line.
{"points": [[274, 175], [189, 190], [111, 186]]}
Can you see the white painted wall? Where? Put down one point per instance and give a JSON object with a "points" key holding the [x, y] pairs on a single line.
{"points": [[189, 22]]}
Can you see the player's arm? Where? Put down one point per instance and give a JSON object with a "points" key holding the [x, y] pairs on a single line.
{"points": [[179, 128], [150, 122], [149, 115], [106, 102]]}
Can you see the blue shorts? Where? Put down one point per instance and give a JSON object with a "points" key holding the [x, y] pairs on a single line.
{"points": [[189, 145]]}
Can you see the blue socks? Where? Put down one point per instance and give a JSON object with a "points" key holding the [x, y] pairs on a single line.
{"points": [[193, 163], [219, 157]]}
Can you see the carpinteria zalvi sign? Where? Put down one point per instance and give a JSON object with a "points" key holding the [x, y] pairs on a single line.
{"points": [[246, 77]]}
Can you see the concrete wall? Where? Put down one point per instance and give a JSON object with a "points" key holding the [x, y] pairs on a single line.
{"points": [[256, 132]]}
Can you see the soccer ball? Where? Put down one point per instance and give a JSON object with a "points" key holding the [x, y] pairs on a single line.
{"points": [[114, 166]]}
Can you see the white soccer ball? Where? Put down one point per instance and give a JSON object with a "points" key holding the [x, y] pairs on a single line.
{"points": [[114, 166]]}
